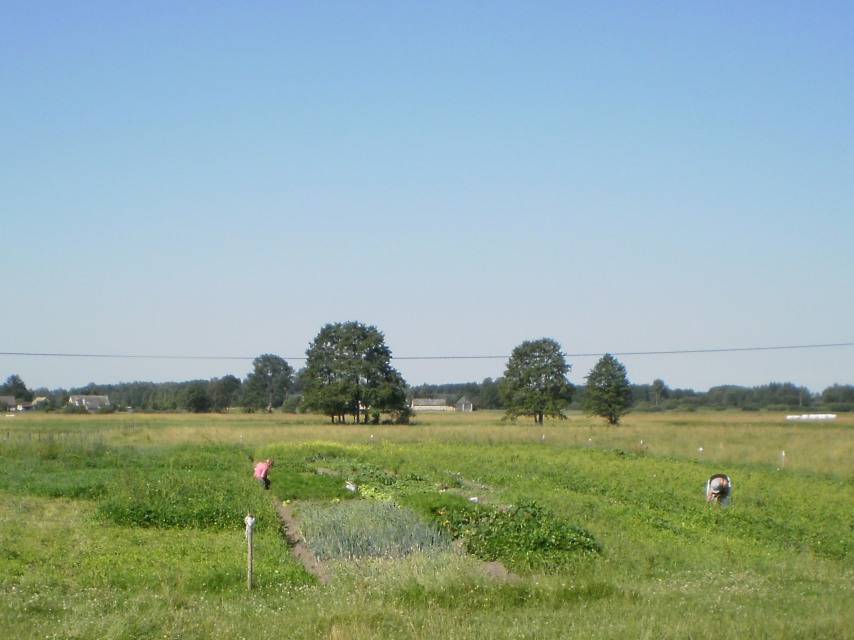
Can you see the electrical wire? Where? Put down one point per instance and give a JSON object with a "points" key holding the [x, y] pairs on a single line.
{"points": [[129, 356]]}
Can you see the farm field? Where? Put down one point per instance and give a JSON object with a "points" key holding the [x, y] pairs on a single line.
{"points": [[460, 526]]}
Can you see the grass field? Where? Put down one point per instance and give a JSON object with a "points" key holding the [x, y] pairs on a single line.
{"points": [[131, 526]]}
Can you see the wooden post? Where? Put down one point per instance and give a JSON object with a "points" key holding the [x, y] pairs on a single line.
{"points": [[250, 523]]}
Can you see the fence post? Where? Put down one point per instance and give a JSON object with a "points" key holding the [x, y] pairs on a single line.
{"points": [[250, 523]]}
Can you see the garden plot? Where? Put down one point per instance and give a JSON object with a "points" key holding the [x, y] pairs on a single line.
{"points": [[384, 514]]}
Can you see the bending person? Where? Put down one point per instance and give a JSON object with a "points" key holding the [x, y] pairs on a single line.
{"points": [[718, 488], [262, 469]]}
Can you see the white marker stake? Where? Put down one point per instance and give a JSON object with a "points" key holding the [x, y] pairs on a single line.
{"points": [[250, 523]]}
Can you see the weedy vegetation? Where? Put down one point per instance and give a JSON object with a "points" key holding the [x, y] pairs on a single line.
{"points": [[113, 527]]}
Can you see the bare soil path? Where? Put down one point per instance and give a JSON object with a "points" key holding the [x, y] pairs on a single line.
{"points": [[298, 548]]}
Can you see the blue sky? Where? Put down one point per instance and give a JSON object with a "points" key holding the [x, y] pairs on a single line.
{"points": [[222, 179]]}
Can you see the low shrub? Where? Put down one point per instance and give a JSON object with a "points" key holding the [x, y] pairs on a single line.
{"points": [[525, 537], [434, 505]]}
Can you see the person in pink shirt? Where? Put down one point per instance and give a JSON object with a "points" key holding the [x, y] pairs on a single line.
{"points": [[261, 471]]}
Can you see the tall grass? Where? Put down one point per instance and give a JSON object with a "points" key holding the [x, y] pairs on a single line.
{"points": [[775, 564], [725, 437]]}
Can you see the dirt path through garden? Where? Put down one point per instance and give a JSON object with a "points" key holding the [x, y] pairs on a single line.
{"points": [[298, 548]]}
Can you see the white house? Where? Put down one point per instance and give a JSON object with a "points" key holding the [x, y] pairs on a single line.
{"points": [[90, 403]]}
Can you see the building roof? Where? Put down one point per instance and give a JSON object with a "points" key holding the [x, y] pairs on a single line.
{"points": [[90, 403], [428, 402]]}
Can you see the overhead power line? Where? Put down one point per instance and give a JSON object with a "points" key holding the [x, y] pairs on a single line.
{"points": [[123, 356], [128, 356], [723, 350]]}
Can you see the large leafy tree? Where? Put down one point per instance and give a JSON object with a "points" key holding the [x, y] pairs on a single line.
{"points": [[348, 371], [269, 382], [535, 382], [15, 387], [223, 391], [196, 398], [608, 392]]}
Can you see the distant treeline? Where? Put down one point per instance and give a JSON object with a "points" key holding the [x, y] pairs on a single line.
{"points": [[219, 394], [777, 396]]}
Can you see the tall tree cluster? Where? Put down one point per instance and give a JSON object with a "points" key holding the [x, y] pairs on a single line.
{"points": [[348, 372]]}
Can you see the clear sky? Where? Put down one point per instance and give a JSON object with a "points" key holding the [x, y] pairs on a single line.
{"points": [[222, 179]]}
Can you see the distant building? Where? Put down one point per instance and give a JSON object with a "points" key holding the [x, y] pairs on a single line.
{"points": [[464, 404], [35, 404], [430, 404], [8, 403], [90, 403]]}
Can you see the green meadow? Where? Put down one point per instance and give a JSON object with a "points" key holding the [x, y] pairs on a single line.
{"points": [[458, 526]]}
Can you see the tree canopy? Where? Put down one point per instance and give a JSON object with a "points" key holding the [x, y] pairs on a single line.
{"points": [[348, 371], [269, 382], [15, 387], [223, 392], [659, 391], [535, 382], [196, 398], [608, 392]]}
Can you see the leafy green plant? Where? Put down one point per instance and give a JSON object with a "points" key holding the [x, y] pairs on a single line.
{"points": [[434, 506], [525, 537]]}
